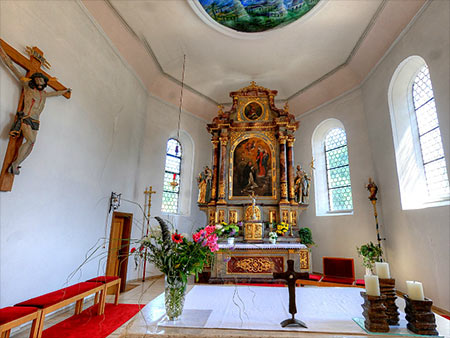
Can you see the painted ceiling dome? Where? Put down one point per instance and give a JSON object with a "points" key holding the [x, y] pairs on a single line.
{"points": [[251, 16]]}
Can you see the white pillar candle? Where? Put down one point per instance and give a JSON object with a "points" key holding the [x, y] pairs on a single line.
{"points": [[382, 270], [415, 290], [372, 285]]}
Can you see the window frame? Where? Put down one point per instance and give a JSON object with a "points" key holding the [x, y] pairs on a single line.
{"points": [[172, 173], [321, 192], [405, 133], [327, 170]]}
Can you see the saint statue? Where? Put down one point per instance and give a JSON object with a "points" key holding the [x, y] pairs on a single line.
{"points": [[305, 187], [27, 120], [373, 189], [298, 184], [204, 186]]}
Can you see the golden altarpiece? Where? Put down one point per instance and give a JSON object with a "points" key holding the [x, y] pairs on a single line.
{"points": [[253, 182]]}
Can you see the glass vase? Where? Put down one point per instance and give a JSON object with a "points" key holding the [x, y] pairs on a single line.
{"points": [[174, 295]]}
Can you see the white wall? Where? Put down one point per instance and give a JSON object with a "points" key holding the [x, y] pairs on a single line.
{"points": [[110, 136], [339, 235], [418, 242], [161, 124]]}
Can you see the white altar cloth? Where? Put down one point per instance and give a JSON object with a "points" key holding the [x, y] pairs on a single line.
{"points": [[255, 246], [327, 310]]}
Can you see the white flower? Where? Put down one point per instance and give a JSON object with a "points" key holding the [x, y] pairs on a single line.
{"points": [[219, 226], [155, 231]]}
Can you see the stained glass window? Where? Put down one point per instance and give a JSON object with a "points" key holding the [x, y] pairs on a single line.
{"points": [[338, 171], [171, 188], [429, 135]]}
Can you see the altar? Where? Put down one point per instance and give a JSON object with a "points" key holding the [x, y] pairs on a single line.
{"points": [[256, 262], [252, 183]]}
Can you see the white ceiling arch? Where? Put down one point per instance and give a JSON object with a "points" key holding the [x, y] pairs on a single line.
{"points": [[329, 50]]}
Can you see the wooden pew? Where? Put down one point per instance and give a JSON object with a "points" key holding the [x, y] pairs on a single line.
{"points": [[13, 316]]}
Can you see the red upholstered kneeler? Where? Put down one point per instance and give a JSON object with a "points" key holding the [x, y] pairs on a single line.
{"points": [[338, 270], [108, 281], [14, 316]]}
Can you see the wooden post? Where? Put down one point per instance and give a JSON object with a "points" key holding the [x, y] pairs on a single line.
{"points": [[222, 174], [215, 143], [283, 176]]}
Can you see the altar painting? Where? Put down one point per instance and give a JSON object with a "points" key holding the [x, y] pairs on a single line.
{"points": [[252, 168]]}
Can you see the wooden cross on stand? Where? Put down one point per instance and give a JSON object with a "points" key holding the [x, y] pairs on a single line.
{"points": [[291, 277], [32, 65]]}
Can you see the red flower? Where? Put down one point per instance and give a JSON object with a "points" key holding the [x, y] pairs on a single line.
{"points": [[177, 238], [132, 250]]}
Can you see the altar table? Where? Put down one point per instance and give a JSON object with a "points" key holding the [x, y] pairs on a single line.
{"points": [[243, 311], [256, 262]]}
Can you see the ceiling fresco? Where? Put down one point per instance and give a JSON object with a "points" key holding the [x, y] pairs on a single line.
{"points": [[252, 16]]}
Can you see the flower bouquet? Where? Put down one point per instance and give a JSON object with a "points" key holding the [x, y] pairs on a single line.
{"points": [[273, 237], [282, 228], [177, 257], [228, 230]]}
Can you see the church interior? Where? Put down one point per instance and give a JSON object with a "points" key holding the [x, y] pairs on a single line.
{"points": [[151, 80]]}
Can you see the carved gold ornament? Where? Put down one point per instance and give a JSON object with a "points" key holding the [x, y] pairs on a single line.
{"points": [[256, 265], [304, 259]]}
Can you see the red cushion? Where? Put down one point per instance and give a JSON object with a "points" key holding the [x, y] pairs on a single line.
{"points": [[315, 277], [8, 314], [338, 280], [360, 282], [58, 296], [103, 279]]}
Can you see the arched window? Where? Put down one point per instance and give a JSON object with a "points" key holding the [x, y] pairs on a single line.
{"points": [[429, 134], [421, 164], [333, 191], [338, 171], [172, 172]]}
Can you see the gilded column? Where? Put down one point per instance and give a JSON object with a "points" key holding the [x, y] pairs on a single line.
{"points": [[215, 169], [290, 169], [283, 177], [222, 173]]}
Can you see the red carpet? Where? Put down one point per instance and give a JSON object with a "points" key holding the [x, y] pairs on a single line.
{"points": [[88, 325]]}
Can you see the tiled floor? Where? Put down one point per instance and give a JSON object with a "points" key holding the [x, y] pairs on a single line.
{"points": [[142, 294]]}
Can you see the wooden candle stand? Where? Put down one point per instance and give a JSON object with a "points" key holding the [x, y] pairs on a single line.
{"points": [[419, 316], [375, 317], [387, 288]]}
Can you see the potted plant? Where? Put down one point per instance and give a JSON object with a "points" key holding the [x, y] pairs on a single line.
{"points": [[229, 231], [177, 257], [273, 237], [370, 253], [305, 236]]}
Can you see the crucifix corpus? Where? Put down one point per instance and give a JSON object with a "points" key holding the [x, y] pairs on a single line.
{"points": [[31, 104], [291, 277]]}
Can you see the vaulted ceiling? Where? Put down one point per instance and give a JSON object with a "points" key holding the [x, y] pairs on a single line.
{"points": [[310, 61]]}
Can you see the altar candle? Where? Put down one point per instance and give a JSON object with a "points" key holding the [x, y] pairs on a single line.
{"points": [[415, 290], [372, 285], [382, 270]]}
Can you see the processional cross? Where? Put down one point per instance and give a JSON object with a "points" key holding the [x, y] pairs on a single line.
{"points": [[32, 65], [291, 276]]}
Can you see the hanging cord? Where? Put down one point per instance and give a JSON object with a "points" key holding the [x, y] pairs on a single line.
{"points": [[181, 97]]}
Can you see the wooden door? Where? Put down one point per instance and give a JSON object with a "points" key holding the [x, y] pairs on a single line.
{"points": [[119, 245]]}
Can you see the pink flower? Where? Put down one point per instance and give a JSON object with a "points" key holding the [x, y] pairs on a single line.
{"points": [[210, 229]]}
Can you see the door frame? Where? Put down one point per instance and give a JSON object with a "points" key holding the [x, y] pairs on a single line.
{"points": [[122, 254]]}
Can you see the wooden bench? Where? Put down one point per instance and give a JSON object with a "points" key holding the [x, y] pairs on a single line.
{"points": [[73, 294], [13, 316], [109, 282]]}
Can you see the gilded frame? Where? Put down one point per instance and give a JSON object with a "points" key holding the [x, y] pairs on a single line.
{"points": [[236, 139], [245, 101]]}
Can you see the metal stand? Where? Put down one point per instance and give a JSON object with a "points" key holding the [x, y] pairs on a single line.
{"points": [[292, 322]]}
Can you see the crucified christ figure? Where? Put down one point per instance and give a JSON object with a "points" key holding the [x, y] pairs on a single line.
{"points": [[27, 120]]}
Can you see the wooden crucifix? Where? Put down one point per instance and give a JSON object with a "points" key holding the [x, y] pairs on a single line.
{"points": [[31, 103], [291, 277]]}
